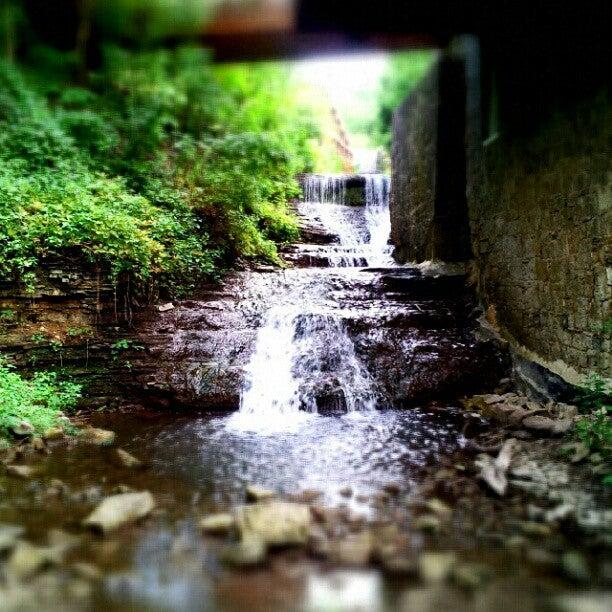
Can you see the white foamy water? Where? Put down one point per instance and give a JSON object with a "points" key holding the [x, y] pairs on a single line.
{"points": [[300, 361], [378, 220], [305, 361]]}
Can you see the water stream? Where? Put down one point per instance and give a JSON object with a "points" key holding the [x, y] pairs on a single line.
{"points": [[320, 352], [304, 359]]}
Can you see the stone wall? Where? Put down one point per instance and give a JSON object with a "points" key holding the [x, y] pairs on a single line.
{"points": [[538, 193], [541, 229]]}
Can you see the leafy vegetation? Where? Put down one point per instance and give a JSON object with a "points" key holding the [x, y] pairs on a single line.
{"points": [[594, 428], [163, 168], [41, 400], [404, 71]]}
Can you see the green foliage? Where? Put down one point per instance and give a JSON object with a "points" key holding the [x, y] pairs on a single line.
{"points": [[165, 169], [593, 394], [594, 428], [40, 400], [403, 72], [595, 431]]}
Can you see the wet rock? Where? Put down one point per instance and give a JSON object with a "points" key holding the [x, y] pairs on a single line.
{"points": [[305, 497], [399, 565], [53, 433], [392, 488], [56, 487], [22, 428], [515, 543], [594, 520], [496, 407], [575, 452], [427, 522], [560, 513], [575, 567], [59, 539], [541, 557], [217, 523], [118, 510], [123, 488], [318, 542], [21, 471], [471, 576], [99, 437], [128, 460], [85, 570], [546, 425], [38, 444], [436, 566], [438, 507], [346, 491], [9, 535], [581, 602], [257, 493], [79, 589], [275, 523], [90, 495], [566, 411], [354, 549], [27, 559], [248, 552], [538, 530], [319, 513], [493, 471]]}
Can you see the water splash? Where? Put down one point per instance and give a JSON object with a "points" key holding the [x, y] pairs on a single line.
{"points": [[325, 188], [303, 363], [378, 219], [363, 232]]}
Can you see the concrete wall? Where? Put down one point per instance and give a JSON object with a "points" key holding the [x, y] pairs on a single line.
{"points": [[538, 191]]}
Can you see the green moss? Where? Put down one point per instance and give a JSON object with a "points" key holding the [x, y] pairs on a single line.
{"points": [[41, 400]]}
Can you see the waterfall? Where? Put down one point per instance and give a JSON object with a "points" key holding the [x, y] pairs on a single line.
{"points": [[364, 242], [325, 188], [303, 363], [377, 218]]}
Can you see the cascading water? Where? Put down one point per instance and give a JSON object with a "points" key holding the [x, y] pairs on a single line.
{"points": [[378, 219], [304, 361], [362, 232]]}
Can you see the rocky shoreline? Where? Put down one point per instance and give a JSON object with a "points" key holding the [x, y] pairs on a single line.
{"points": [[550, 519]]}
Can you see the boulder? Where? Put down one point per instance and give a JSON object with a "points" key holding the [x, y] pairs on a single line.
{"points": [[436, 566], [545, 425], [217, 523], [258, 493], [248, 552], [128, 460], [9, 535], [21, 471], [22, 428], [119, 510], [99, 437], [354, 549], [275, 523], [53, 433]]}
